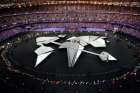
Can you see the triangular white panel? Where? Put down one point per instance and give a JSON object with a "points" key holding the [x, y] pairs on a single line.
{"points": [[83, 43], [72, 52], [105, 56], [40, 58], [62, 35], [98, 43], [45, 40], [78, 53], [42, 52], [71, 38], [43, 49], [84, 38]]}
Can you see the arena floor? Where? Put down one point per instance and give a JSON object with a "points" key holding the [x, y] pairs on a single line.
{"points": [[23, 54]]}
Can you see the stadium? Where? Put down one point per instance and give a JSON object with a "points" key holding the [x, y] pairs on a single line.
{"points": [[70, 46]]}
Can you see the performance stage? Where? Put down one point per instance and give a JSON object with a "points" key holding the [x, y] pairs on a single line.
{"points": [[87, 65]]}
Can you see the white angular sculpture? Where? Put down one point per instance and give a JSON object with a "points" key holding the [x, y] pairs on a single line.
{"points": [[45, 40], [42, 52], [95, 41], [62, 35], [75, 46], [73, 52], [105, 56]]}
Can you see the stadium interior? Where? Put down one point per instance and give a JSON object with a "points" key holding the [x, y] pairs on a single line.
{"points": [[113, 26]]}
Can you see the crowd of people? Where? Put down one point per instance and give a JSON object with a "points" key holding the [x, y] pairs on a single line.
{"points": [[72, 18], [123, 22], [29, 3], [67, 15]]}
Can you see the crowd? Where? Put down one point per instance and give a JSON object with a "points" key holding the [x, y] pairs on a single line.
{"points": [[29, 3], [71, 18], [124, 22], [16, 23]]}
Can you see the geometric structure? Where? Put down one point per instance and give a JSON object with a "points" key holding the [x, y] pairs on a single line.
{"points": [[106, 57], [95, 41], [42, 52], [45, 40], [75, 46], [73, 52], [62, 35]]}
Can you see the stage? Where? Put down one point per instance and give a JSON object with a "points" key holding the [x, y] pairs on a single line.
{"points": [[87, 66]]}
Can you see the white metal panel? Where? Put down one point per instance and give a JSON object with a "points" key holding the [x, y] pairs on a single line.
{"points": [[42, 53], [105, 56], [40, 58], [43, 49], [78, 53], [98, 43], [46, 40]]}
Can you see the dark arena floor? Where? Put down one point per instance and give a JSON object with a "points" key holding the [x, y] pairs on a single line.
{"points": [[23, 21], [23, 54]]}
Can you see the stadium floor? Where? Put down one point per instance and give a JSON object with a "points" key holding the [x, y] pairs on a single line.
{"points": [[23, 54]]}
